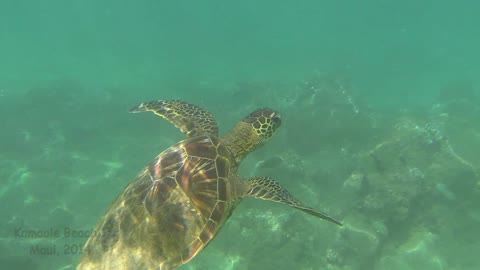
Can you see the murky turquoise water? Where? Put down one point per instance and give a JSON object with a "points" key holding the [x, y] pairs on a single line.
{"points": [[380, 129]]}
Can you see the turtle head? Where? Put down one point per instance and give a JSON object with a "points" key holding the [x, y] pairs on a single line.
{"points": [[253, 131], [264, 122]]}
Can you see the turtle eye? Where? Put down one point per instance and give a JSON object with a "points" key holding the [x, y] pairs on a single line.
{"points": [[276, 119]]}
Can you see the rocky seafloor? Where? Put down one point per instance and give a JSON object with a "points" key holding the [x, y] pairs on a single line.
{"points": [[404, 180]]}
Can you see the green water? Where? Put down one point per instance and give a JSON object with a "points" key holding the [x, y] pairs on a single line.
{"points": [[380, 129]]}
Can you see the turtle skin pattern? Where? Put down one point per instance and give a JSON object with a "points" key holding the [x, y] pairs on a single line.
{"points": [[190, 119]]}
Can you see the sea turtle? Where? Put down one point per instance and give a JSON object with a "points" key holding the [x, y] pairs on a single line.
{"points": [[178, 203]]}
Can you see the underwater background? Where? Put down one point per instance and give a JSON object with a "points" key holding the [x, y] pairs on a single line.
{"points": [[380, 107]]}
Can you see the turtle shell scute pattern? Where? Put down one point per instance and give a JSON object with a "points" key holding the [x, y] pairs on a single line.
{"points": [[169, 213], [192, 177]]}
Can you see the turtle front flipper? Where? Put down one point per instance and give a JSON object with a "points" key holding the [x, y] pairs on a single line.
{"points": [[190, 119], [265, 188]]}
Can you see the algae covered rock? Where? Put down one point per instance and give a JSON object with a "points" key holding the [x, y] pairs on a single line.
{"points": [[418, 252]]}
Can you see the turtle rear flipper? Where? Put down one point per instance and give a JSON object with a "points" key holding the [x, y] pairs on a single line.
{"points": [[266, 188], [190, 119]]}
